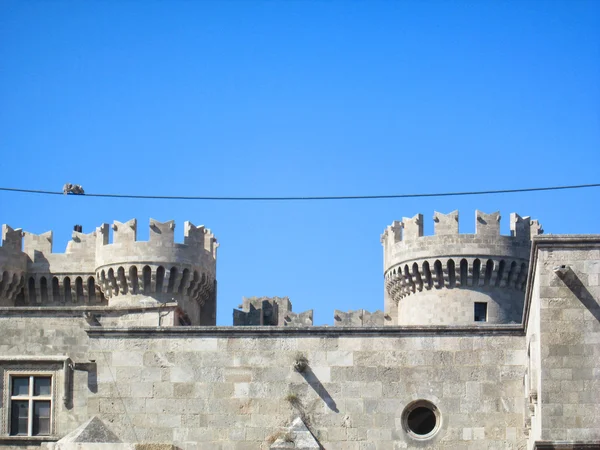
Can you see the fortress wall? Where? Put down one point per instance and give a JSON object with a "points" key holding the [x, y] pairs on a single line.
{"points": [[226, 390], [229, 392]]}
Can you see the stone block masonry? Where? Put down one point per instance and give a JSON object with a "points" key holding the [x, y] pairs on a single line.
{"points": [[486, 342]]}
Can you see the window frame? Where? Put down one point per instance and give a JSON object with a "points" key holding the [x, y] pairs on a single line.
{"points": [[484, 306], [31, 399], [8, 399]]}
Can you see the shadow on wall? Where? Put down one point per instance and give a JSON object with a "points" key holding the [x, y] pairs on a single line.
{"points": [[314, 382], [572, 281]]}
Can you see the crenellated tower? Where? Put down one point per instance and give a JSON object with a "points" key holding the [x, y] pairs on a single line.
{"points": [[159, 270], [452, 278], [124, 273]]}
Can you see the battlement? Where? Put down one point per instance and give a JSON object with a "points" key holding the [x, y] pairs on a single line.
{"points": [[404, 240], [486, 225], [199, 243], [13, 265], [270, 311], [416, 265], [360, 318], [94, 269], [12, 239]]}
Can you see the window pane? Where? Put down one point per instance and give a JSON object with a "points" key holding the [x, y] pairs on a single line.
{"points": [[41, 386], [480, 312], [20, 386], [41, 418], [19, 412]]}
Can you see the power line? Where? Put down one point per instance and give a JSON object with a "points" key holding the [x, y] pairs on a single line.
{"points": [[332, 197]]}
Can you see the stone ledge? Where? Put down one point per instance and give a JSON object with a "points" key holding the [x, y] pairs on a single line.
{"points": [[566, 445], [25, 440], [34, 359], [77, 310], [220, 331]]}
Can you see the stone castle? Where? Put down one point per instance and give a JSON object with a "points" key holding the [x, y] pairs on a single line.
{"points": [[484, 342]]}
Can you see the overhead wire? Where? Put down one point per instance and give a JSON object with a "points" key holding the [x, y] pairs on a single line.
{"points": [[305, 198]]}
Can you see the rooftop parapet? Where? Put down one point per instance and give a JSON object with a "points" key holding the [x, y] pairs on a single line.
{"points": [[36, 245], [12, 239], [159, 268], [79, 257], [270, 311], [360, 318], [199, 247], [404, 240]]}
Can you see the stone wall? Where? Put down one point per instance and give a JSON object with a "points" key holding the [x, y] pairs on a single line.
{"points": [[222, 390], [564, 328], [236, 388]]}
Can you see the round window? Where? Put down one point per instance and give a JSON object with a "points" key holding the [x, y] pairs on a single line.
{"points": [[421, 419]]}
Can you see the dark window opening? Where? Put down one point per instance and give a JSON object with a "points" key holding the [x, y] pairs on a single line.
{"points": [[480, 312], [421, 420]]}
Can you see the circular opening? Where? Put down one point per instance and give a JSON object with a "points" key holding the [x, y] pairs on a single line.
{"points": [[421, 419]]}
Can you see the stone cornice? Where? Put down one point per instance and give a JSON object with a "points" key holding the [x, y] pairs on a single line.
{"points": [[566, 445], [269, 331], [571, 241], [76, 311]]}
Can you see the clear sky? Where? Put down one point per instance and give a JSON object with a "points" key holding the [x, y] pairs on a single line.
{"points": [[292, 98]]}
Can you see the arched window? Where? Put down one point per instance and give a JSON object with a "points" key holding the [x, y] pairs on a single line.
{"points": [[133, 276], [44, 289], [147, 275], [489, 269], [439, 274], [501, 268], [122, 280], [160, 278], [79, 289], [476, 272], [464, 272], [427, 274], [56, 290], [67, 287], [31, 287], [91, 290], [451, 274], [172, 277]]}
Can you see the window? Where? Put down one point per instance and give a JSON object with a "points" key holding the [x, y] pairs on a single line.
{"points": [[480, 312], [421, 420], [30, 405]]}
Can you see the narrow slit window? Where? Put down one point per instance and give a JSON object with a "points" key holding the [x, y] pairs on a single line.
{"points": [[480, 312]]}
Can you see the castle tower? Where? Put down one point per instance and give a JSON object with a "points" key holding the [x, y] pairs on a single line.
{"points": [[126, 274], [130, 272], [456, 279]]}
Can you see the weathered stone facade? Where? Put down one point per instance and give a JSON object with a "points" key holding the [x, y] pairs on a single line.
{"points": [[140, 364]]}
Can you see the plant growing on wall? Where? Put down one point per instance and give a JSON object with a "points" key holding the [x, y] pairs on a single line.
{"points": [[300, 363]]}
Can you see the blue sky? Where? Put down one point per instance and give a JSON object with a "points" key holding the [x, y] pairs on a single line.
{"points": [[298, 98]]}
